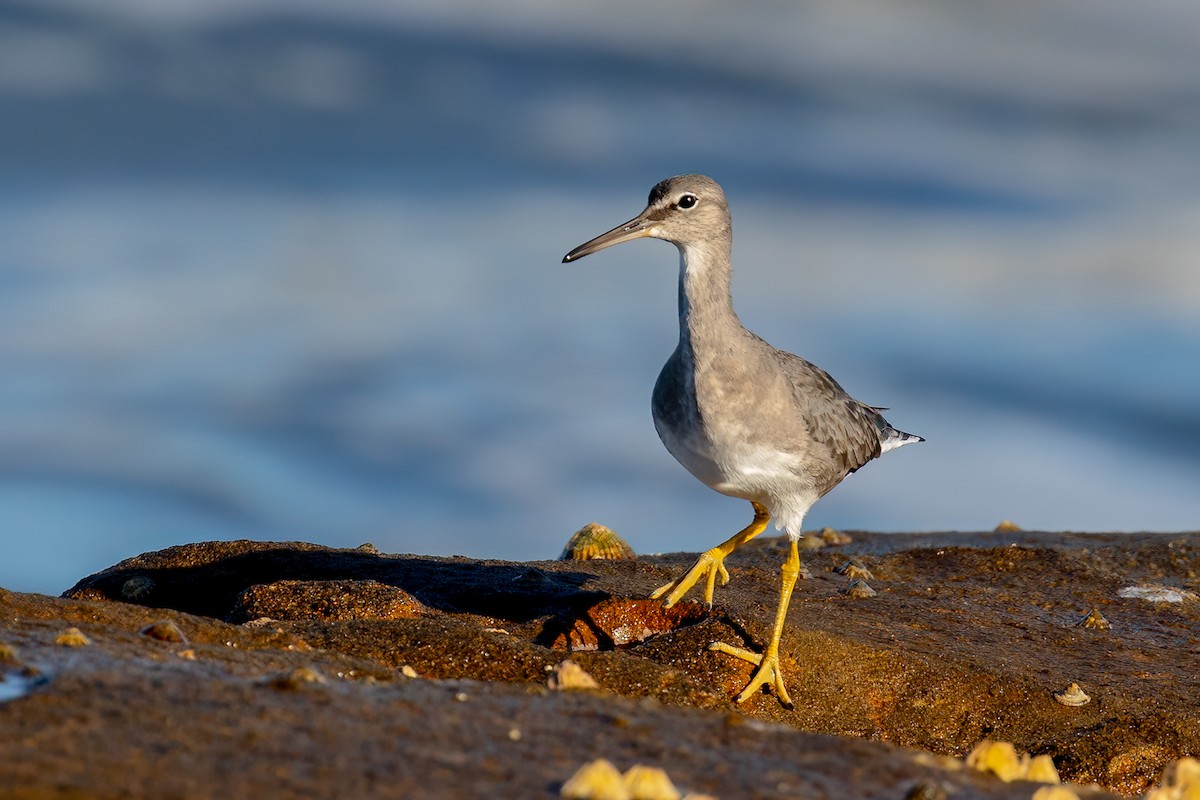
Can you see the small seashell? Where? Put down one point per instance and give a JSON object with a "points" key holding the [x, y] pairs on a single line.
{"points": [[408, 671], [1094, 620], [854, 569], [998, 758], [568, 675], [1055, 793], [858, 588], [72, 637], [137, 587], [296, 679], [649, 783], [833, 537], [164, 630], [1072, 696], [1182, 776], [595, 780], [595, 541], [1007, 526], [1041, 769], [926, 791]]}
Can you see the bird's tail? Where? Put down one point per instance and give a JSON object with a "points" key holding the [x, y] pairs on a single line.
{"points": [[890, 438]]}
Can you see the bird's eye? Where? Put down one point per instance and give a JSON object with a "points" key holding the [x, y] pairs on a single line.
{"points": [[687, 201]]}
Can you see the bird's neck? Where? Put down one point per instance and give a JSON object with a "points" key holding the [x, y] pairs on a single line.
{"points": [[705, 305]]}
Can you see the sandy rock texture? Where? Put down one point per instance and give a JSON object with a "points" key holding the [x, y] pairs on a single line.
{"points": [[233, 669]]}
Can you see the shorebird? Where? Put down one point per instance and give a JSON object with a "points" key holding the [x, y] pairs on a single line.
{"points": [[747, 419]]}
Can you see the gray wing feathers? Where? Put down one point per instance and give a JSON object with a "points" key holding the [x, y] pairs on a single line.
{"points": [[850, 433]]}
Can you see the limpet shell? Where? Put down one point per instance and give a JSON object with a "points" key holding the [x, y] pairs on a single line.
{"points": [[1055, 793], [165, 630], [1041, 769], [295, 679], [72, 637], [649, 783], [834, 537], [1072, 696], [595, 541], [998, 758], [859, 589], [568, 675], [1182, 776], [595, 780]]}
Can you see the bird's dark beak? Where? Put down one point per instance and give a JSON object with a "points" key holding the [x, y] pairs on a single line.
{"points": [[636, 228]]}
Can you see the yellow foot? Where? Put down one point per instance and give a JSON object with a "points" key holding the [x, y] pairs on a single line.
{"points": [[768, 672], [709, 565]]}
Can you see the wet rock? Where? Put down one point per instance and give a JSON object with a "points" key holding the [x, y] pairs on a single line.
{"points": [[957, 650], [326, 600], [615, 622]]}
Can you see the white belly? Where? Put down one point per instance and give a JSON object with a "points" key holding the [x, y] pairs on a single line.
{"points": [[776, 480]]}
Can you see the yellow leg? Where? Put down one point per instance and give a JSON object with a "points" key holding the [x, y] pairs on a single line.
{"points": [[769, 671], [711, 563]]}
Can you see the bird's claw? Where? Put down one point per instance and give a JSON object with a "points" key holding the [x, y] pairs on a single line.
{"points": [[769, 671], [709, 565]]}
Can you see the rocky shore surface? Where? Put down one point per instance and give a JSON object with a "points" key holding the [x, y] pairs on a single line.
{"points": [[252, 669]]}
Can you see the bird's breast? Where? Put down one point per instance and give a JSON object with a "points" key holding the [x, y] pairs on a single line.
{"points": [[731, 431]]}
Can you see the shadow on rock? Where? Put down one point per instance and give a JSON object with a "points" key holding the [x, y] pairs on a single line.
{"points": [[242, 580]]}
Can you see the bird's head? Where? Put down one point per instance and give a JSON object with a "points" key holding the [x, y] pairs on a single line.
{"points": [[683, 210]]}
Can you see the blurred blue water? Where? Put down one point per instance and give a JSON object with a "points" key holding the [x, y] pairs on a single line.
{"points": [[278, 271]]}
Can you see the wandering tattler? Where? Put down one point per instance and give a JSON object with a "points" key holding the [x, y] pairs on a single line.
{"points": [[748, 420]]}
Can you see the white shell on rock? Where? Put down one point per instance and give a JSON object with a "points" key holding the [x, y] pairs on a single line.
{"points": [[1072, 696]]}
